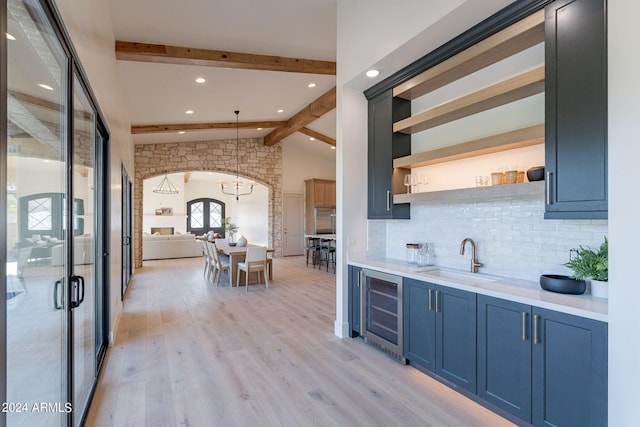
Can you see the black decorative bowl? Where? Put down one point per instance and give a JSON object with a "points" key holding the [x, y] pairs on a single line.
{"points": [[535, 173], [232, 243], [562, 284]]}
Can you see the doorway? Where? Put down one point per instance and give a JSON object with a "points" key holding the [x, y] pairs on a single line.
{"points": [[127, 231], [293, 224]]}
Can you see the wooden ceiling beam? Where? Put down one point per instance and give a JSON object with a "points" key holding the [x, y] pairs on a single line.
{"points": [[321, 106], [317, 135], [145, 52], [177, 127]]}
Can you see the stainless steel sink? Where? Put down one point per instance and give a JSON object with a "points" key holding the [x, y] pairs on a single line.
{"points": [[457, 276]]}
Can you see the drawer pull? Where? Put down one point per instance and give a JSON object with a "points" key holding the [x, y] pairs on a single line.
{"points": [[524, 326]]}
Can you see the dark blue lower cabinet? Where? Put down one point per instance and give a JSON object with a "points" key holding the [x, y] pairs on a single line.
{"points": [[440, 331], [354, 301], [545, 367], [419, 323], [504, 355], [570, 361]]}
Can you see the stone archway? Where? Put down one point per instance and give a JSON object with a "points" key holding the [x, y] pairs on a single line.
{"points": [[258, 162]]}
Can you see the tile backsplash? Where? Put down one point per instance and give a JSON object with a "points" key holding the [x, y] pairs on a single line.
{"points": [[512, 237]]}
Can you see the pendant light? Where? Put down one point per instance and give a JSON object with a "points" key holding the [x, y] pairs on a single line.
{"points": [[165, 186], [237, 187]]}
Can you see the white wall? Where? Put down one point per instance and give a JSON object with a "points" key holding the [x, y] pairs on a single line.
{"points": [[624, 205], [298, 165], [89, 25], [250, 213]]}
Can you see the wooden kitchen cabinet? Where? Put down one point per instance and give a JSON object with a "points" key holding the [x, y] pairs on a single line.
{"points": [[545, 367], [383, 146], [320, 192], [354, 301], [440, 331], [576, 109]]}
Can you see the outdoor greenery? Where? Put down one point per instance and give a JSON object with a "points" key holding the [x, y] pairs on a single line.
{"points": [[590, 264]]}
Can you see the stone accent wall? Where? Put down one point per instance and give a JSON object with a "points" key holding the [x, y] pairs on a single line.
{"points": [[257, 162]]}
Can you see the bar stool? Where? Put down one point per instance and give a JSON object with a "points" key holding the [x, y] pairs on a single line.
{"points": [[313, 246], [327, 253]]}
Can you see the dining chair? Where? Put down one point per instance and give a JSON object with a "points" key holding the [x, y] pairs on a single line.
{"points": [[221, 241], [313, 246], [208, 260], [222, 265], [255, 260]]}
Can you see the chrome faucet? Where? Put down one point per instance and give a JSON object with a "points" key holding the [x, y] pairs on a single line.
{"points": [[474, 262]]}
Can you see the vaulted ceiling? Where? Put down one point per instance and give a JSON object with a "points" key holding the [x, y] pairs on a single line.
{"points": [[258, 57]]}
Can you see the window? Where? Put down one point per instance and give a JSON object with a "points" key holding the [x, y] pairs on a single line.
{"points": [[204, 215]]}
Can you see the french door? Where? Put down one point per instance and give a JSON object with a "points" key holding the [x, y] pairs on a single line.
{"points": [[56, 282], [204, 215], [127, 230]]}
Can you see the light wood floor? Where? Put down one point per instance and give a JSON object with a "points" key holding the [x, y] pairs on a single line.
{"points": [[190, 354]]}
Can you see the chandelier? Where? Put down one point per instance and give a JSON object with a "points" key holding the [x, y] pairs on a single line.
{"points": [[237, 187], [165, 186]]}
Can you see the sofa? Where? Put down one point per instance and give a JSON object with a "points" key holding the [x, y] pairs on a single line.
{"points": [[83, 251], [156, 246]]}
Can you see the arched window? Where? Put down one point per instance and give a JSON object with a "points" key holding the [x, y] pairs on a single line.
{"points": [[204, 215]]}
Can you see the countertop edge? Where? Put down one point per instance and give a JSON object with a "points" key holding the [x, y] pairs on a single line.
{"points": [[517, 290]]}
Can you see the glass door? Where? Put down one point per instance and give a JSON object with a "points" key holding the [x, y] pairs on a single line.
{"points": [[83, 295], [127, 252], [37, 242]]}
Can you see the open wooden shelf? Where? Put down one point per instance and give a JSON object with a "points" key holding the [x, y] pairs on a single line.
{"points": [[520, 138], [518, 87], [520, 36], [476, 194]]}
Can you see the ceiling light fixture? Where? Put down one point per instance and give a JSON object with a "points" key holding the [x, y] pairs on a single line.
{"points": [[181, 132], [201, 80], [44, 86], [372, 73], [258, 128], [237, 187], [312, 139], [311, 85], [189, 112], [10, 37], [333, 148], [165, 186], [280, 111]]}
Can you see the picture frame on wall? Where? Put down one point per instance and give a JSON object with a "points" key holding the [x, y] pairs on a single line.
{"points": [[164, 211]]}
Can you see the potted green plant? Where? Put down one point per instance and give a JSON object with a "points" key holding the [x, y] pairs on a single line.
{"points": [[229, 227], [592, 266]]}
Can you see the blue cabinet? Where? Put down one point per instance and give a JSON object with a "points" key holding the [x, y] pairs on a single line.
{"points": [[440, 331], [354, 301], [569, 370], [504, 355], [545, 367]]}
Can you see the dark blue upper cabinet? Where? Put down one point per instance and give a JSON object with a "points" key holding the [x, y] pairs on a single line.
{"points": [[354, 301], [576, 109], [569, 370], [504, 355], [384, 146]]}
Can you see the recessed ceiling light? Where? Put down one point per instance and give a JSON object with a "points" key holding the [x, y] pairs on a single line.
{"points": [[181, 132], [189, 112], [373, 73], [258, 128], [333, 148], [280, 111], [312, 139], [201, 80], [44, 86], [10, 37], [46, 160], [311, 85]]}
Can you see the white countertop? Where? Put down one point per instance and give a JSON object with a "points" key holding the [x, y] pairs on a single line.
{"points": [[518, 290]]}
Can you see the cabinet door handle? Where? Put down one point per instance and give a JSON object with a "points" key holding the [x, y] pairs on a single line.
{"points": [[536, 338], [524, 326], [430, 299], [437, 301], [359, 278], [548, 188], [388, 200]]}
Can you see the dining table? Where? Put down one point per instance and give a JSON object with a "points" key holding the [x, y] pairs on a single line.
{"points": [[237, 254]]}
